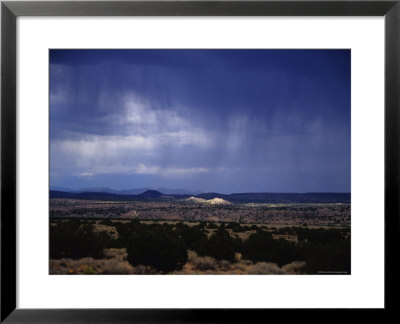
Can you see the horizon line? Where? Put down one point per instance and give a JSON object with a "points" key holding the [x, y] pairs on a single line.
{"points": [[201, 192]]}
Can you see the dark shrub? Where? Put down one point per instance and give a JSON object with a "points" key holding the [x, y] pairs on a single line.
{"points": [[255, 228], [190, 235], [318, 235], [220, 246], [113, 243], [201, 226], [106, 222], [125, 231], [331, 256], [159, 248], [261, 247], [258, 247], [211, 226], [72, 239], [237, 228]]}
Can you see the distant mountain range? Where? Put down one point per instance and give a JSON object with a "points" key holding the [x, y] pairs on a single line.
{"points": [[133, 191], [239, 198]]}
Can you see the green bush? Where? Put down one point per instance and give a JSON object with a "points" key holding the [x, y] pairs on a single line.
{"points": [[318, 235], [76, 240], [211, 226], [261, 247], [255, 228], [237, 228], [331, 256], [323, 250], [159, 248], [106, 222], [126, 230], [190, 235], [220, 246]]}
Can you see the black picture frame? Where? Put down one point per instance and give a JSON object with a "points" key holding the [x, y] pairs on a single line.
{"points": [[10, 10]]}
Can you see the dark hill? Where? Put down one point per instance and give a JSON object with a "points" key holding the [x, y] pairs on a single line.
{"points": [[273, 198], [89, 195], [238, 198], [150, 194], [267, 197]]}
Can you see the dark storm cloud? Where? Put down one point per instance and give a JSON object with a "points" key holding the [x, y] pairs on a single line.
{"points": [[220, 120]]}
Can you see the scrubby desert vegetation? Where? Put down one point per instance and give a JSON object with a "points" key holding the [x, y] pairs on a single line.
{"points": [[295, 214], [104, 246]]}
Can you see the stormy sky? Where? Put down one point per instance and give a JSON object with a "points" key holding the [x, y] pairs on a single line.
{"points": [[206, 120]]}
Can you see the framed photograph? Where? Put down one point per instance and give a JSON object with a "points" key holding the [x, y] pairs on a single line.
{"points": [[163, 159]]}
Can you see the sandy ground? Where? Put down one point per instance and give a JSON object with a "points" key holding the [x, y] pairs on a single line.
{"points": [[115, 262]]}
